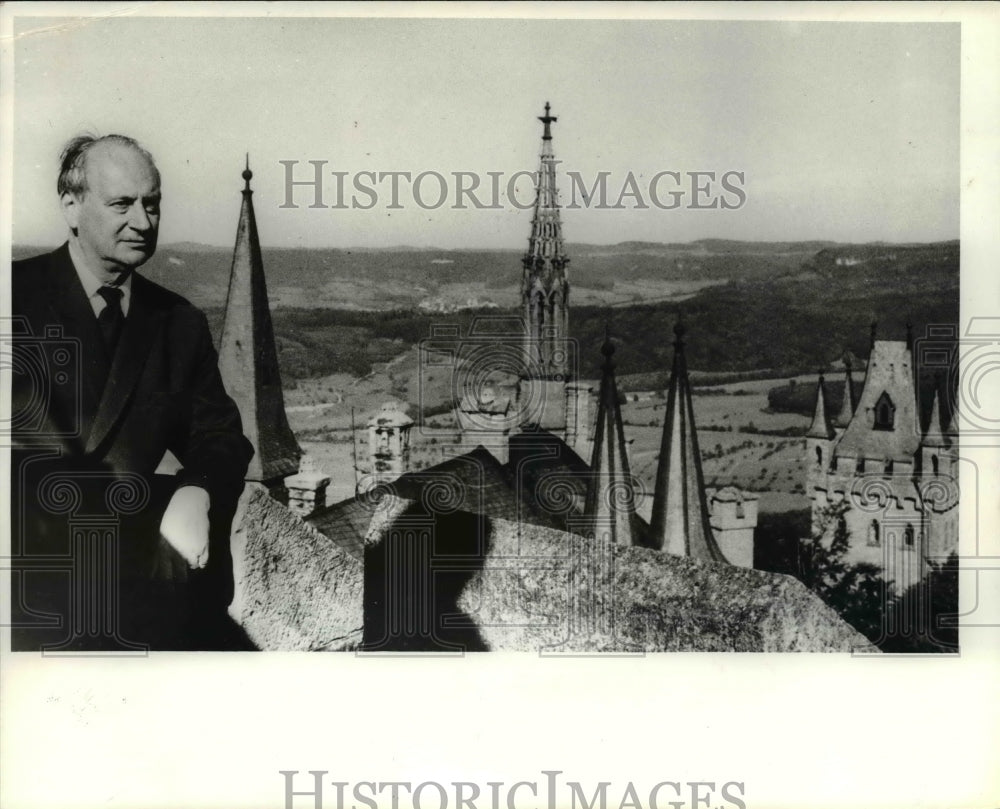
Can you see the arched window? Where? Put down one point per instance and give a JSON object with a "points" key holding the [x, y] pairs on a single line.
{"points": [[908, 536], [819, 457], [885, 413], [873, 533], [934, 463], [888, 467]]}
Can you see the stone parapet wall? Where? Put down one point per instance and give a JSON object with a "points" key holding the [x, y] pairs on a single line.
{"points": [[294, 588], [519, 587]]}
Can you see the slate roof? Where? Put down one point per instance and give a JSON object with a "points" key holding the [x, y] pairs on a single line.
{"points": [[475, 482], [345, 524], [551, 477], [890, 372]]}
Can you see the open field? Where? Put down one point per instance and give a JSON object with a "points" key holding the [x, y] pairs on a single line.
{"points": [[732, 426]]}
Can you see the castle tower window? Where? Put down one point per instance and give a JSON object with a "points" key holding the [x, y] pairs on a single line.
{"points": [[859, 466], [885, 413], [819, 456], [934, 463], [888, 467], [908, 535], [873, 533]]}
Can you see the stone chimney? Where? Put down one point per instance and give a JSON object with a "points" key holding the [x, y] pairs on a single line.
{"points": [[307, 488]]}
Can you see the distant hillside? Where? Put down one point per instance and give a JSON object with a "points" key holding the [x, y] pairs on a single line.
{"points": [[772, 308], [621, 274]]}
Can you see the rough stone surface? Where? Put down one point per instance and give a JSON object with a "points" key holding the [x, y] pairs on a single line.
{"points": [[295, 588], [536, 590], [500, 585], [528, 587]]}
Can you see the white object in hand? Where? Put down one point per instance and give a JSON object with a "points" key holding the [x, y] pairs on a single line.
{"points": [[185, 525]]}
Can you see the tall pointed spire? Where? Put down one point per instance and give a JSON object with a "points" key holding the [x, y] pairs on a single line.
{"points": [[679, 522], [849, 403], [248, 359], [610, 504], [820, 427], [544, 287]]}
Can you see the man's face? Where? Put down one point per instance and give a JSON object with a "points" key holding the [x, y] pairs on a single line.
{"points": [[117, 218]]}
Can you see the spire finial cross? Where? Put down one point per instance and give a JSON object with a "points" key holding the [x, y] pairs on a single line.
{"points": [[247, 174], [547, 119]]}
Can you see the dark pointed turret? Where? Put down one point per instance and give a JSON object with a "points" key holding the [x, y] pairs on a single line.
{"points": [[951, 430], [679, 522], [935, 434], [544, 286], [610, 504], [849, 403], [248, 359], [820, 427]]}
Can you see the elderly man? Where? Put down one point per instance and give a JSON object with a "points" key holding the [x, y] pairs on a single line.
{"points": [[114, 372]]}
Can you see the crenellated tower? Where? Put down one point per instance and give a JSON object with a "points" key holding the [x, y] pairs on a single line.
{"points": [[898, 483], [545, 287]]}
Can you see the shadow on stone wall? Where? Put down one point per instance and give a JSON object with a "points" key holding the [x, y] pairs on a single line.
{"points": [[415, 571], [460, 582]]}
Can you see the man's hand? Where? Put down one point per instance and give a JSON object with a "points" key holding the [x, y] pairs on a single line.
{"points": [[185, 525]]}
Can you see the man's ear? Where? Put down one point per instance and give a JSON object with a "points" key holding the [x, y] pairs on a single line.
{"points": [[70, 204]]}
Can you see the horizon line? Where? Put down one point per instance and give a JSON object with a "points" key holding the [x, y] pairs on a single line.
{"points": [[430, 248]]}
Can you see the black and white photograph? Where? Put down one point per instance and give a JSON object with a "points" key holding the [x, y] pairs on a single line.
{"points": [[638, 347]]}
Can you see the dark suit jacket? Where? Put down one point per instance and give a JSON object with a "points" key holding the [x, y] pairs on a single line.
{"points": [[102, 422]]}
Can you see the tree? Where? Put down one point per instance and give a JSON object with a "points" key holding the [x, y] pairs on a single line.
{"points": [[923, 619], [856, 591]]}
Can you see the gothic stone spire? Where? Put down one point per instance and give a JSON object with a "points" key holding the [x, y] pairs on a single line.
{"points": [[679, 521], [610, 504], [545, 288], [248, 359]]}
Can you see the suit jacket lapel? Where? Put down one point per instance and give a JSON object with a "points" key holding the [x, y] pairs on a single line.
{"points": [[70, 308], [142, 324]]}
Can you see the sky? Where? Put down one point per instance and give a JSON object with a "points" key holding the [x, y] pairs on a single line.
{"points": [[841, 131]]}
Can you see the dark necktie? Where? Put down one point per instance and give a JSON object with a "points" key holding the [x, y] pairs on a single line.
{"points": [[111, 319]]}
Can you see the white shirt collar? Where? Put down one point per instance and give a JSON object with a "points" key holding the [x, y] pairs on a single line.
{"points": [[91, 283]]}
